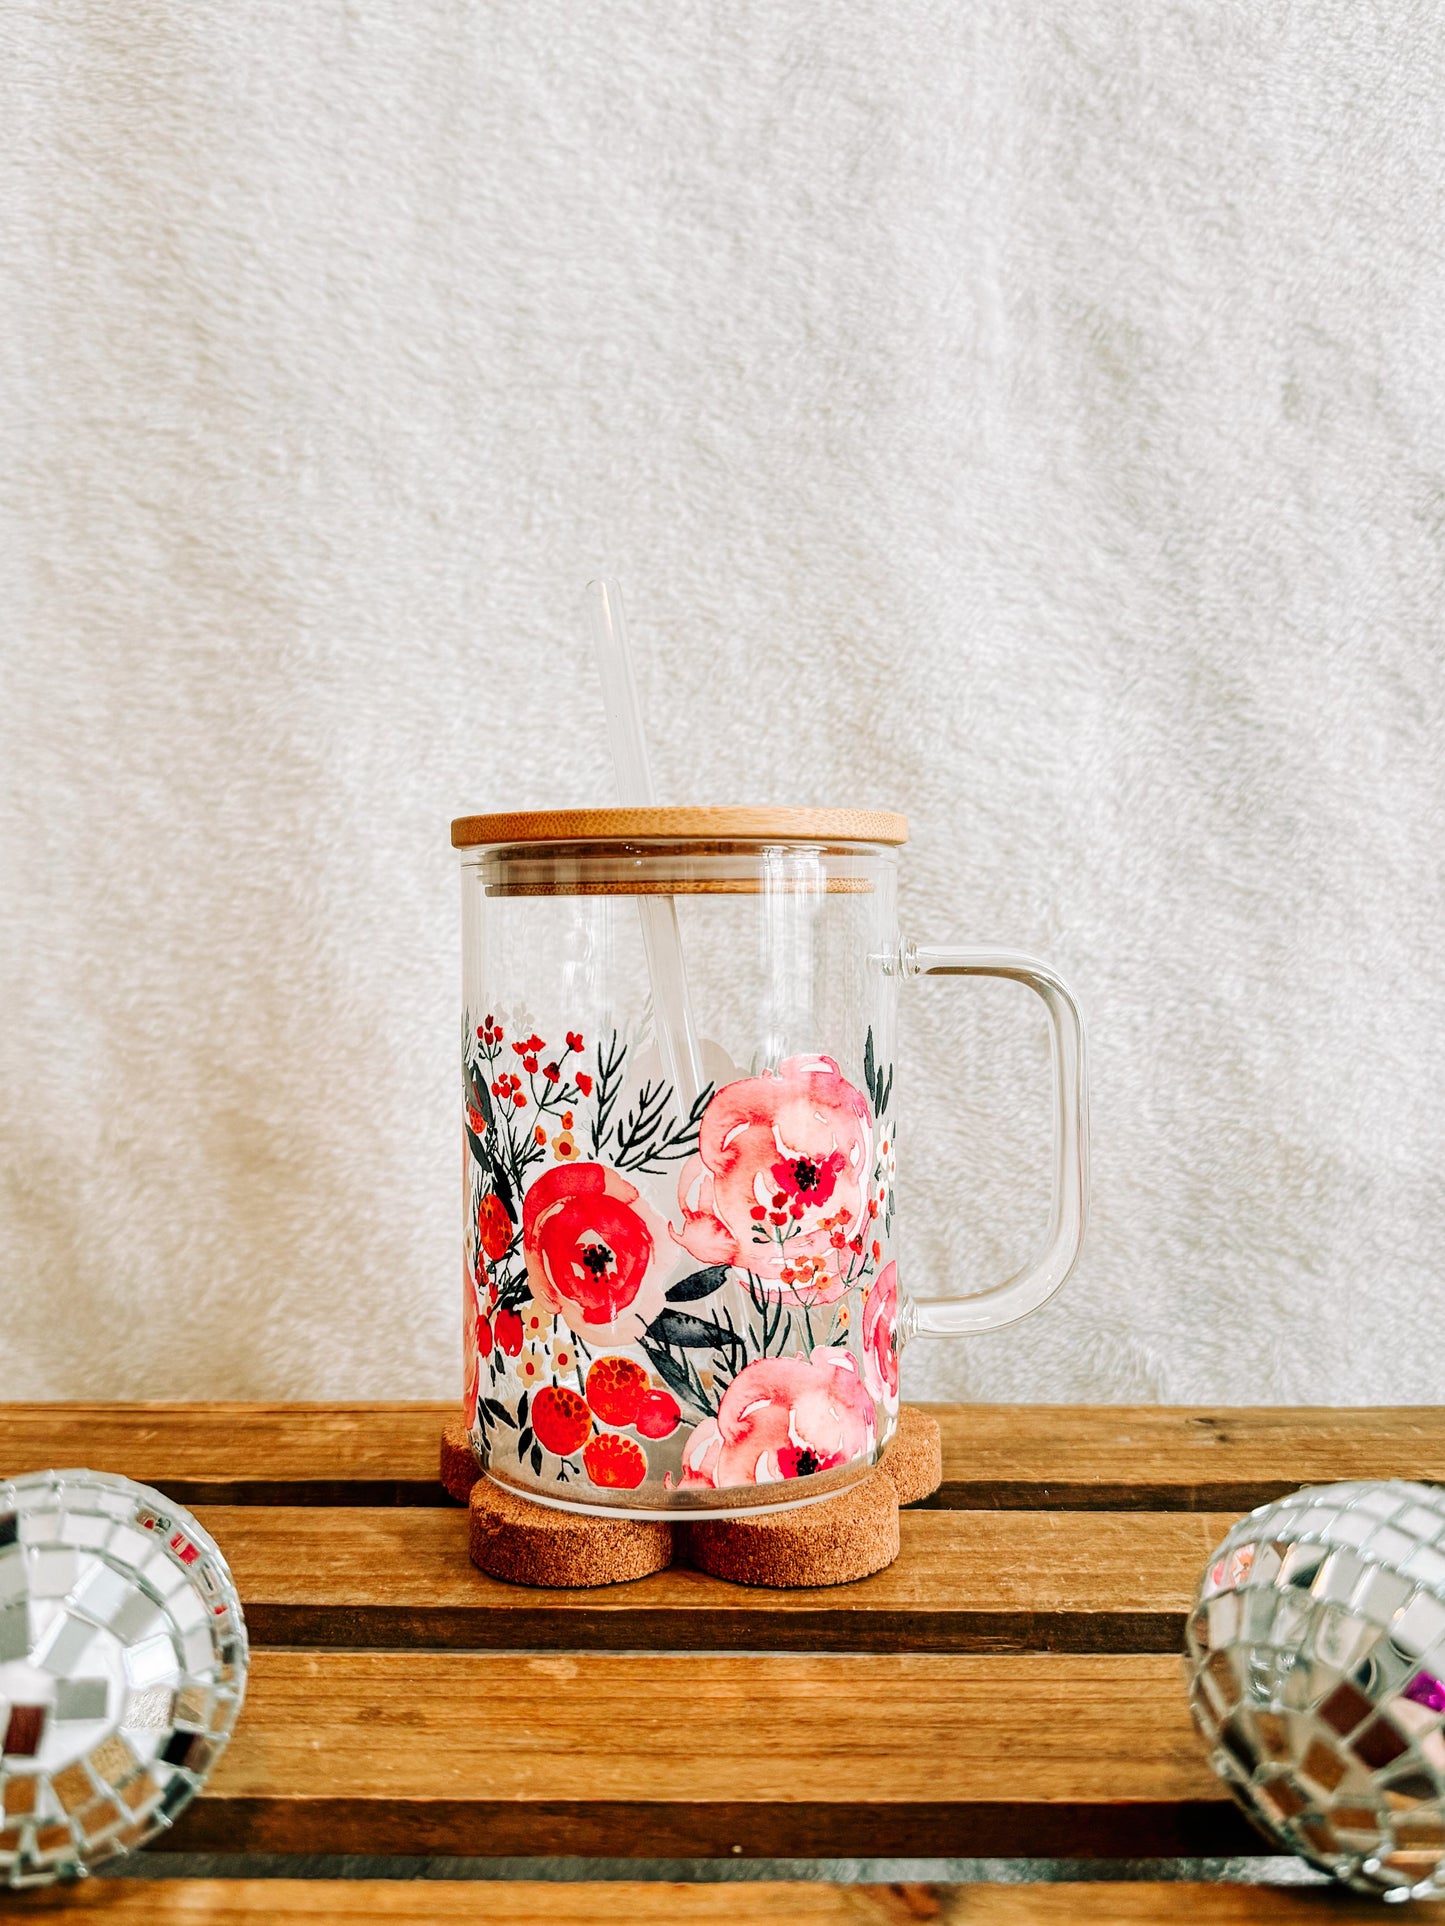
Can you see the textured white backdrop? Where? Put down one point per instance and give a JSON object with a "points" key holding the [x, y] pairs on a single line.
{"points": [[1025, 415]]}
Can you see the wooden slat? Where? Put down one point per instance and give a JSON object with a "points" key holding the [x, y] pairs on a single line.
{"points": [[240, 1454], [1174, 1458], [682, 1755], [300, 1902], [1046, 1457], [967, 1581]]}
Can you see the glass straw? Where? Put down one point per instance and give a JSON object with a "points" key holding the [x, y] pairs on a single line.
{"points": [[661, 940]]}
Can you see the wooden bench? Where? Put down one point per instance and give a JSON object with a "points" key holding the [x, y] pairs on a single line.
{"points": [[1010, 1687]]}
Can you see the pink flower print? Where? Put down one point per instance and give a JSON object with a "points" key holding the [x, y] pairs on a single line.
{"points": [[780, 1173], [880, 1336], [783, 1418]]}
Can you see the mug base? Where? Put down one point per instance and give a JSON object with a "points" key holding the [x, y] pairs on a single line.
{"points": [[737, 1501]]}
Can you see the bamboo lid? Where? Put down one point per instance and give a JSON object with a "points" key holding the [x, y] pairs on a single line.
{"points": [[731, 824]]}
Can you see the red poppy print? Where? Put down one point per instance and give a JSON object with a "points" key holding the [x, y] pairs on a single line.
{"points": [[590, 1244], [616, 1463], [561, 1420], [780, 1173]]}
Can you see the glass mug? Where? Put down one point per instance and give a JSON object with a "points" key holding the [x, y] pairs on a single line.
{"points": [[681, 1140]]}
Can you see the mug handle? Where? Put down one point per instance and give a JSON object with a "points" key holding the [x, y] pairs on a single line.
{"points": [[1036, 1283]]}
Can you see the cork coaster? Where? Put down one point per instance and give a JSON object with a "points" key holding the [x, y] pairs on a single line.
{"points": [[830, 1542], [913, 1457], [459, 1465], [531, 1544]]}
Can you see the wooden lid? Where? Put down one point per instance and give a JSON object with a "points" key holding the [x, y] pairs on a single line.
{"points": [[732, 824]]}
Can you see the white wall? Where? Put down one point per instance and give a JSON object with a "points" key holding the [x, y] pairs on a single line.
{"points": [[1025, 415]]}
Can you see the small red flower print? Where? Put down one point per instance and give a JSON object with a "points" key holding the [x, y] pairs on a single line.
{"points": [[534, 1043], [494, 1227], [811, 1180], [529, 1064], [615, 1389], [551, 1072], [509, 1332], [658, 1415], [584, 1083], [574, 1039], [615, 1462], [561, 1420], [484, 1338], [801, 1461], [540, 1133]]}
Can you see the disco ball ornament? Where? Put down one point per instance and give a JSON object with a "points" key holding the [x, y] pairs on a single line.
{"points": [[1316, 1661], [122, 1668]]}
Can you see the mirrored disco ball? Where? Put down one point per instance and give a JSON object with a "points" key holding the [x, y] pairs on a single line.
{"points": [[122, 1668], [1316, 1660]]}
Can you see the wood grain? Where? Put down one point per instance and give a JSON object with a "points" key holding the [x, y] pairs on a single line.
{"points": [[304, 1902], [1031, 1457], [1175, 1458], [240, 1454], [729, 823], [684, 1755], [965, 1582]]}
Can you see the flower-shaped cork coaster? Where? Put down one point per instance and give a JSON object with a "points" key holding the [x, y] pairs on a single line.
{"points": [[829, 1542], [913, 1456], [460, 1470], [832, 1541], [509, 1537]]}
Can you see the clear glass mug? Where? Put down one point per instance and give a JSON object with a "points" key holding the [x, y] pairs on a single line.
{"points": [[681, 1144]]}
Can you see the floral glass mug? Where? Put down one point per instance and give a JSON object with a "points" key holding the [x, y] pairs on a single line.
{"points": [[681, 1139]]}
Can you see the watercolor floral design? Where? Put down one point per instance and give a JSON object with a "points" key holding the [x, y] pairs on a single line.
{"points": [[880, 1337], [783, 1418], [739, 1329]]}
